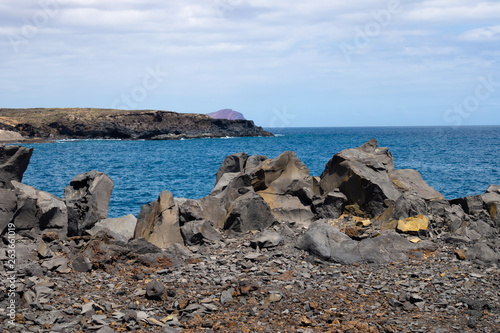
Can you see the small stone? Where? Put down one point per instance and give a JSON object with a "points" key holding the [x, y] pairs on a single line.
{"points": [[155, 290], [248, 286], [50, 236], [58, 263], [44, 250], [106, 329], [82, 264], [304, 321], [183, 303], [86, 307], [273, 298], [460, 254], [226, 296]]}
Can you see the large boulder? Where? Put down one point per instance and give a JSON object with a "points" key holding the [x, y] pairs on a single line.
{"points": [[13, 163], [248, 212], [87, 198], [373, 187], [120, 226], [362, 174], [199, 232], [328, 243], [232, 164], [471, 205], [158, 222], [36, 211], [286, 185], [491, 199]]}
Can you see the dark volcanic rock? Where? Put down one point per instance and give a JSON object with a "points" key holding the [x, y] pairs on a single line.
{"points": [[32, 211], [158, 222], [125, 124], [327, 242], [198, 232], [249, 212], [87, 198], [13, 163], [366, 175], [362, 174]]}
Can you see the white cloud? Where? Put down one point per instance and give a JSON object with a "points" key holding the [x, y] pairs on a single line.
{"points": [[485, 34]]}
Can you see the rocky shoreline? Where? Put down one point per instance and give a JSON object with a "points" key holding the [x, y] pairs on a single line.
{"points": [[78, 123], [362, 248]]}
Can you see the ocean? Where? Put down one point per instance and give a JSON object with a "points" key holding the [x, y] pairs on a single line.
{"points": [[457, 161]]}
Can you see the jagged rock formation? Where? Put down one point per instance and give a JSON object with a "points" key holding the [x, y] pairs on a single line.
{"points": [[13, 163], [122, 124], [87, 198], [269, 237]]}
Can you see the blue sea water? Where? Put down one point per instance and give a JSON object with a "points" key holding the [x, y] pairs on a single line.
{"points": [[455, 161]]}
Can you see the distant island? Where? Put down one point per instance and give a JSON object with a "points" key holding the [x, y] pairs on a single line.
{"points": [[227, 114], [81, 123]]}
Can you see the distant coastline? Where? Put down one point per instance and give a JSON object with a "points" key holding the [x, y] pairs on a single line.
{"points": [[90, 123]]}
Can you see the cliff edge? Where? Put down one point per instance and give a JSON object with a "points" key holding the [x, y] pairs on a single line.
{"points": [[80, 123]]}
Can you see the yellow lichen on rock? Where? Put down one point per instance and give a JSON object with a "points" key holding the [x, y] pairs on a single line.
{"points": [[413, 224]]}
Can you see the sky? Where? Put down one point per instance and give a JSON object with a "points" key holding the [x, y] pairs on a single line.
{"points": [[280, 63]]}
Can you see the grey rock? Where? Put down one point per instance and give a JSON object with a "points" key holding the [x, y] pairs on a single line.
{"points": [[158, 222], [44, 250], [367, 176], [155, 290], [8, 207], [82, 264], [328, 243], [87, 198], [123, 226], [266, 239], [494, 211], [105, 329], [232, 164], [142, 246], [64, 327], [189, 210], [30, 269], [177, 253], [48, 317], [362, 174], [482, 252], [14, 161], [454, 217], [409, 204], [39, 211], [471, 205], [331, 206], [198, 232], [226, 296], [249, 212], [286, 185], [56, 263], [170, 329], [492, 194], [408, 180]]}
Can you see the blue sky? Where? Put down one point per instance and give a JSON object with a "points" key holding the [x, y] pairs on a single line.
{"points": [[280, 63]]}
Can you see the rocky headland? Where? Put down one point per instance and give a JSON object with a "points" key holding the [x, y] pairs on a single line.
{"points": [[362, 248], [85, 123]]}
